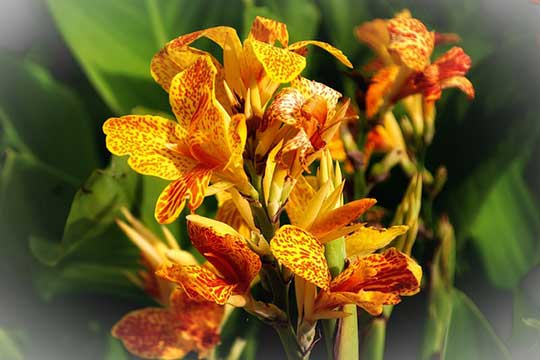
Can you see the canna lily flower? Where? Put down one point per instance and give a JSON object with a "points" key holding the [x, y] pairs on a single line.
{"points": [[307, 116], [251, 70], [404, 47], [231, 267], [204, 144], [183, 324]]}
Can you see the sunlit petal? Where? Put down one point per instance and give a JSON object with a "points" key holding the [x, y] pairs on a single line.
{"points": [[410, 42], [281, 65], [366, 240], [269, 31], [338, 54]]}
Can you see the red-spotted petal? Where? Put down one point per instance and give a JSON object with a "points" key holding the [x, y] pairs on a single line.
{"points": [[191, 185], [300, 197], [285, 107], [281, 65], [226, 249], [302, 253], [380, 88], [366, 240], [410, 42], [310, 88], [198, 281], [269, 31], [338, 54], [151, 333], [155, 145]]}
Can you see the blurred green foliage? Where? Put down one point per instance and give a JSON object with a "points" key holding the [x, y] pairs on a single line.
{"points": [[58, 202]]}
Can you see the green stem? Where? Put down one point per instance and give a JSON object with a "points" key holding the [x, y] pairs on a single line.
{"points": [[290, 344], [373, 347]]}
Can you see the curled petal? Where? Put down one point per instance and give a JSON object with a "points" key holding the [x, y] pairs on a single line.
{"points": [[285, 108], [366, 240], [454, 62], [218, 34], [310, 88], [390, 272], [268, 31], [460, 82], [192, 98], [341, 216], [281, 65], [198, 281], [302, 254], [226, 249], [410, 42], [338, 54], [371, 301], [380, 89], [150, 333], [191, 185], [153, 143]]}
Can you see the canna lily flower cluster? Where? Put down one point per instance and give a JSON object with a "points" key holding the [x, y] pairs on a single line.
{"points": [[251, 131]]}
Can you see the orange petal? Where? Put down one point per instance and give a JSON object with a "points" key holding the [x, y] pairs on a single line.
{"points": [[191, 185], [375, 34], [300, 197], [310, 88], [151, 333], [460, 82], [338, 54], [285, 107], [410, 42], [390, 272], [226, 249], [302, 254], [229, 214], [268, 31], [217, 34], [281, 65], [198, 281], [192, 98], [454, 62], [153, 143], [198, 320], [380, 88], [366, 240], [371, 301], [341, 216]]}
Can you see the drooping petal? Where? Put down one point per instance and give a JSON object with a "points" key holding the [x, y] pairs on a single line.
{"points": [[460, 82], [269, 31], [338, 54], [366, 240], [302, 253], [371, 301], [454, 62], [410, 42], [341, 216], [151, 333], [197, 319], [153, 143], [389, 272], [192, 185], [198, 281], [380, 88], [226, 249], [300, 197], [218, 34], [281, 65], [192, 98]]}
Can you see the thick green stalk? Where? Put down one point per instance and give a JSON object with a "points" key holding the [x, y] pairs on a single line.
{"points": [[290, 343], [373, 346]]}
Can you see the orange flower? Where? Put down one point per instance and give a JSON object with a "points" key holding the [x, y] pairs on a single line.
{"points": [[231, 266], [252, 70], [204, 143], [187, 324], [404, 47]]}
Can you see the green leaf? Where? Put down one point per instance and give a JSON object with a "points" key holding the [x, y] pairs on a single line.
{"points": [[9, 349], [45, 119], [470, 336], [92, 212], [115, 350], [114, 41]]}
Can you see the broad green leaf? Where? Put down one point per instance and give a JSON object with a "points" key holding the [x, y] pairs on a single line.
{"points": [[92, 212], [114, 41], [9, 349], [470, 336], [45, 119]]}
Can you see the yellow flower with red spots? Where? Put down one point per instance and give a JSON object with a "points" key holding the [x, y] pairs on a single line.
{"points": [[231, 265], [404, 47]]}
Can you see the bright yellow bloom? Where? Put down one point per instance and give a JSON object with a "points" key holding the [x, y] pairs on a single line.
{"points": [[404, 47], [184, 324], [205, 143], [231, 266]]}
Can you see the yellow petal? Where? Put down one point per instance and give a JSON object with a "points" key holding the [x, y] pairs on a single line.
{"points": [[153, 143], [411, 42], [237, 140], [218, 34], [198, 281], [341, 216], [192, 98], [300, 197], [281, 65], [191, 185], [302, 254], [460, 82], [338, 54], [226, 249], [285, 108], [228, 214], [368, 239], [151, 333], [268, 31]]}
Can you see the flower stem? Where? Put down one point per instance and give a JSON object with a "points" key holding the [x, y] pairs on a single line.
{"points": [[290, 343], [373, 347]]}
